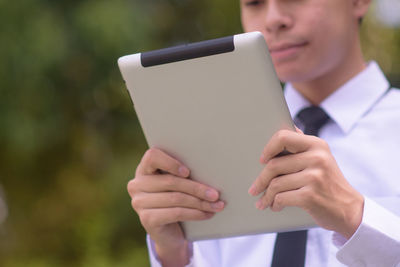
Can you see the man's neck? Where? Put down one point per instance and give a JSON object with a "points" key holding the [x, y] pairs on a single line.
{"points": [[318, 89]]}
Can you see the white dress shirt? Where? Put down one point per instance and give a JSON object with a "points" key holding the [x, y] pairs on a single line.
{"points": [[364, 137]]}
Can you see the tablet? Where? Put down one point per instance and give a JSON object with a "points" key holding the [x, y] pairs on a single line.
{"points": [[214, 105]]}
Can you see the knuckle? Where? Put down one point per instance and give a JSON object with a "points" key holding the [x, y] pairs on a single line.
{"points": [[198, 190], [278, 203], [135, 202], [273, 186], [319, 158], [177, 198], [146, 219], [139, 201], [151, 152], [131, 186], [281, 136], [323, 144], [149, 155], [278, 200], [170, 182], [272, 165], [314, 175]]}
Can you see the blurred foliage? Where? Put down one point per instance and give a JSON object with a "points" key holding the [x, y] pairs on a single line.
{"points": [[382, 44], [69, 137]]}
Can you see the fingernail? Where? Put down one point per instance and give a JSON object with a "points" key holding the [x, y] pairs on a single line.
{"points": [[208, 215], [217, 205], [183, 171], [263, 159], [252, 190], [211, 194], [260, 205]]}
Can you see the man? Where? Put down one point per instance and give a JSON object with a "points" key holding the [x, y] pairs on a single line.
{"points": [[347, 180]]}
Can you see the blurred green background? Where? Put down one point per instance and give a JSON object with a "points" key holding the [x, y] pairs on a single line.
{"points": [[69, 137]]}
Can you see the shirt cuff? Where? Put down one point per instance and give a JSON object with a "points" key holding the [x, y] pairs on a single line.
{"points": [[155, 261], [376, 241]]}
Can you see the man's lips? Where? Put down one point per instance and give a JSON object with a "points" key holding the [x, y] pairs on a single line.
{"points": [[285, 50]]}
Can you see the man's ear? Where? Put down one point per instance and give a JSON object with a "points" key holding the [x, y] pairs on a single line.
{"points": [[360, 7]]}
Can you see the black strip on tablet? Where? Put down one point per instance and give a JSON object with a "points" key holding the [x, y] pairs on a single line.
{"points": [[188, 51]]}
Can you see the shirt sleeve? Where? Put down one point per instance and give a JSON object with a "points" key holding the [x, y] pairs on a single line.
{"points": [[375, 243], [154, 260]]}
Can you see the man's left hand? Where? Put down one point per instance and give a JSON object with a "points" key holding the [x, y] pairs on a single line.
{"points": [[308, 178]]}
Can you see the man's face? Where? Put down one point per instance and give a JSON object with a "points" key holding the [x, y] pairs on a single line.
{"points": [[306, 38]]}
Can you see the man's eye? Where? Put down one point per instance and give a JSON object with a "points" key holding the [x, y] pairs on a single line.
{"points": [[253, 3]]}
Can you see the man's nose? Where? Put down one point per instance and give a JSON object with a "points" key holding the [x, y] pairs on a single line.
{"points": [[277, 17]]}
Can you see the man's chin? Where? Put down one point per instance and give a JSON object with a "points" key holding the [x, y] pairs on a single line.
{"points": [[291, 73]]}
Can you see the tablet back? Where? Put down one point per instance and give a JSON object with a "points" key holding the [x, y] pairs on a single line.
{"points": [[214, 105]]}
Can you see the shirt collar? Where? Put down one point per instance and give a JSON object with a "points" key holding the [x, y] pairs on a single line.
{"points": [[348, 103]]}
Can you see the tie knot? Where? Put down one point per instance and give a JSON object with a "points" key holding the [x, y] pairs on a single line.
{"points": [[312, 118]]}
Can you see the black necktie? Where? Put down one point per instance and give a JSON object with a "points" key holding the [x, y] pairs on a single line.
{"points": [[290, 247], [312, 118]]}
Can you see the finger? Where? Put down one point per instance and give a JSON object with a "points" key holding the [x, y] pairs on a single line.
{"points": [[155, 160], [294, 198], [172, 200], [291, 163], [286, 140], [166, 182], [285, 183], [159, 217]]}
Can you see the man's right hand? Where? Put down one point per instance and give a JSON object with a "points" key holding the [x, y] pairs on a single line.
{"points": [[162, 195]]}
